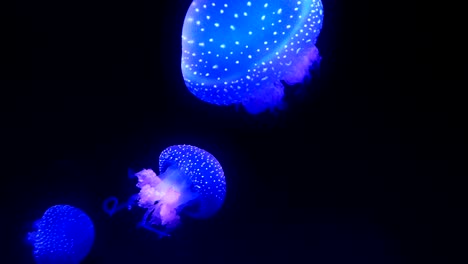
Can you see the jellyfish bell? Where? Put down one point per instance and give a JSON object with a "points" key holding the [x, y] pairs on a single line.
{"points": [[238, 52], [191, 182], [64, 235]]}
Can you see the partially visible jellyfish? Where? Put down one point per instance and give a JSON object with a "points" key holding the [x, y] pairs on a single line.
{"points": [[191, 181], [239, 51], [64, 235]]}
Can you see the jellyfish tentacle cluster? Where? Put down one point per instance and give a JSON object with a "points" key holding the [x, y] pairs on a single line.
{"points": [[239, 51], [191, 181], [64, 235]]}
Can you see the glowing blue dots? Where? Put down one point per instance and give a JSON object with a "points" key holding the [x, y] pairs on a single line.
{"points": [[266, 29], [64, 235]]}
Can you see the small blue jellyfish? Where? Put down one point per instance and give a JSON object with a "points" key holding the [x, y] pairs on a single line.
{"points": [[238, 52], [191, 180], [64, 235]]}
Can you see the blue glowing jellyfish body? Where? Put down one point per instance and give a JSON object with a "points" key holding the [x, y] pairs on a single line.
{"points": [[191, 181], [238, 51], [64, 235], [203, 172]]}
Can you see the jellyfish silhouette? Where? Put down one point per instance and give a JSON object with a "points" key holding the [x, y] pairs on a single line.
{"points": [[64, 235], [238, 52], [191, 182]]}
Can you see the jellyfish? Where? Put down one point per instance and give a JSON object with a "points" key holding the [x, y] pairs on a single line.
{"points": [[64, 235], [191, 181], [240, 51]]}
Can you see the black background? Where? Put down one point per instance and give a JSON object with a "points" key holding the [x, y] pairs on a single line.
{"points": [[361, 167]]}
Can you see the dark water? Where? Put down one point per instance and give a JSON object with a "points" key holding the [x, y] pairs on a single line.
{"points": [[361, 167]]}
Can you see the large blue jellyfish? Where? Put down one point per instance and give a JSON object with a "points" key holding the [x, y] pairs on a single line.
{"points": [[239, 51], [191, 181], [64, 235]]}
